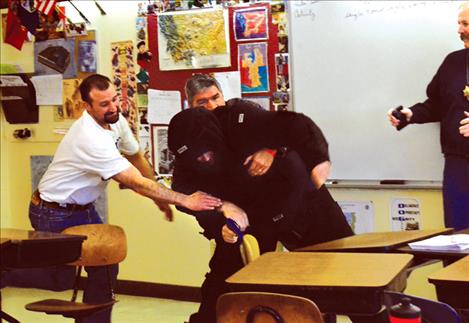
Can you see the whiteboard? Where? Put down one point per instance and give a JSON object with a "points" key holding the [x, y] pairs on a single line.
{"points": [[351, 61]]}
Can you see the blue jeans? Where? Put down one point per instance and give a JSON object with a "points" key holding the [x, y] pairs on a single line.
{"points": [[456, 192], [97, 288]]}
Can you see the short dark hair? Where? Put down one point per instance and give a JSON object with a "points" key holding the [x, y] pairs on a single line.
{"points": [[95, 81], [198, 83], [140, 43]]}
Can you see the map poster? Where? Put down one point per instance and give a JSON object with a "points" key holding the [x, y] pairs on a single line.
{"points": [[193, 40]]}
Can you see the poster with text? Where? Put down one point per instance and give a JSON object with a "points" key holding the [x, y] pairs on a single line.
{"points": [[405, 214]]}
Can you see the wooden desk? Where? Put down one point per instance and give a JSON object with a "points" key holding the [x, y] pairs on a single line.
{"points": [[375, 241], [452, 284], [348, 283], [448, 255], [27, 248]]}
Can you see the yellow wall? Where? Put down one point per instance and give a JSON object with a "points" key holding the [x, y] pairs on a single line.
{"points": [[161, 252]]}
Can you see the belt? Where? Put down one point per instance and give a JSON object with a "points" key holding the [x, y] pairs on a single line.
{"points": [[36, 200]]}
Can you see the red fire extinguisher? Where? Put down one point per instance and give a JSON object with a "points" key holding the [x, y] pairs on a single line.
{"points": [[405, 312]]}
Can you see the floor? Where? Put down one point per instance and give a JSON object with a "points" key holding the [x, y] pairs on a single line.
{"points": [[129, 309]]}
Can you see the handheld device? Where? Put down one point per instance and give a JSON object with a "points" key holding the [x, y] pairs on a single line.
{"points": [[396, 113], [233, 226]]}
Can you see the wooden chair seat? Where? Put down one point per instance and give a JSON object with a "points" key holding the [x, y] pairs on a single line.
{"points": [[68, 308], [259, 307], [105, 245]]}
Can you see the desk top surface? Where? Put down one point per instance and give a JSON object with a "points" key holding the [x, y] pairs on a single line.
{"points": [[17, 236], [311, 269], [456, 272], [375, 241]]}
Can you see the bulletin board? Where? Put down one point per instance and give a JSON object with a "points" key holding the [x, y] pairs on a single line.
{"points": [[175, 80]]}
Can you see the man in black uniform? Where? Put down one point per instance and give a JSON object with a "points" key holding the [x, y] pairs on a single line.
{"points": [[282, 204]]}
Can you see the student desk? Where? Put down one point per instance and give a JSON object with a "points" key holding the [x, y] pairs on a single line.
{"points": [[375, 241], [446, 255], [346, 283], [25, 249], [452, 286]]}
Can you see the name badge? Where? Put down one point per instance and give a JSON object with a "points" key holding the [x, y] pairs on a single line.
{"points": [[182, 149]]}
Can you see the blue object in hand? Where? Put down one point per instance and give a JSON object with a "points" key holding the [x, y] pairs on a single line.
{"points": [[396, 113], [233, 226]]}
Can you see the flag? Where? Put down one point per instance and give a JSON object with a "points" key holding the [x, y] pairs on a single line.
{"points": [[45, 7], [15, 33], [29, 17]]}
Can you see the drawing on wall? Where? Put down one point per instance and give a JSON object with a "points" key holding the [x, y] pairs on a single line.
{"points": [[163, 158], [253, 67], [87, 56], [193, 40], [250, 24], [359, 214], [281, 70], [55, 56], [72, 105], [39, 166], [124, 79]]}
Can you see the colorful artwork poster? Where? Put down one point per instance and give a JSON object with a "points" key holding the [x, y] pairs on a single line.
{"points": [[250, 24], [87, 56], [281, 71], [193, 40], [253, 67], [124, 78], [56, 56], [72, 105], [141, 28], [163, 158]]}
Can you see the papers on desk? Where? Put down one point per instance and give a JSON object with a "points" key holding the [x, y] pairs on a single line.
{"points": [[443, 242]]}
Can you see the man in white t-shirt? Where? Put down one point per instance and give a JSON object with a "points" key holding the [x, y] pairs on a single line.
{"points": [[98, 147]]}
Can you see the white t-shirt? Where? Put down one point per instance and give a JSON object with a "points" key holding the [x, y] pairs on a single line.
{"points": [[86, 159]]}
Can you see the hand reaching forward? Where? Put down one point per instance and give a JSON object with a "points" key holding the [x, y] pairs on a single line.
{"points": [[200, 201], [464, 129]]}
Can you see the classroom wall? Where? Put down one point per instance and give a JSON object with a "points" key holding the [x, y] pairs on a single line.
{"points": [[159, 251]]}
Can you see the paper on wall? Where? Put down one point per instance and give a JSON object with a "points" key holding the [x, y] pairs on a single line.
{"points": [[48, 89], [163, 105]]}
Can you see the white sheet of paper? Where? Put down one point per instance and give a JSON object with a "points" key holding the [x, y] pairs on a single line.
{"points": [[163, 105], [443, 242], [11, 80], [230, 83], [48, 89]]}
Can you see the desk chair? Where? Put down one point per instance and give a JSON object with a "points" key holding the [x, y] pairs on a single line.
{"points": [[258, 307], [249, 248], [432, 311], [105, 245]]}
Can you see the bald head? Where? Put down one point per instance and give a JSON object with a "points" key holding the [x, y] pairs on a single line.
{"points": [[463, 22]]}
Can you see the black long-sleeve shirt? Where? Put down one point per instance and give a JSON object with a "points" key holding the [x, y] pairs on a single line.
{"points": [[446, 103]]}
